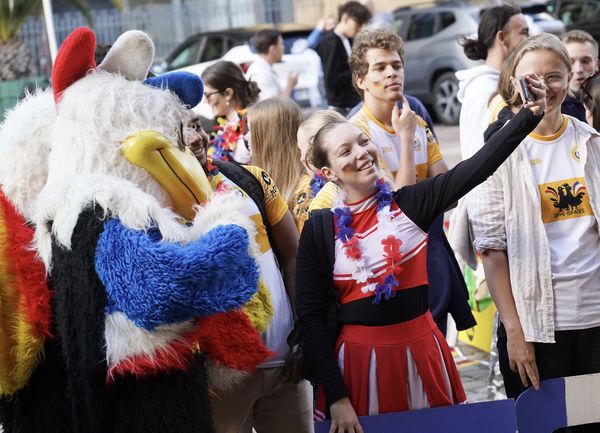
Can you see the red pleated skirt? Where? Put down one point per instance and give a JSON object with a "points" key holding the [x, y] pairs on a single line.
{"points": [[398, 367]]}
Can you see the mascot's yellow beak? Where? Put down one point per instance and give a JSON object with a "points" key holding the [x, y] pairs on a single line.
{"points": [[177, 171]]}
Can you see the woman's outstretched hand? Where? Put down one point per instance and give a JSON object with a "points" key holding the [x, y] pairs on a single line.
{"points": [[538, 89], [343, 418]]}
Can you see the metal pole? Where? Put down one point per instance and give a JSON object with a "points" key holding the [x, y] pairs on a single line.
{"points": [[177, 20], [257, 12], [229, 14], [50, 29]]}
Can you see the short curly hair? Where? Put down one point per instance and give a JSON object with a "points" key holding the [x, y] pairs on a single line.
{"points": [[364, 41]]}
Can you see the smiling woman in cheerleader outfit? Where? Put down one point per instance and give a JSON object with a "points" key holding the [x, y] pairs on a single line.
{"points": [[388, 356]]}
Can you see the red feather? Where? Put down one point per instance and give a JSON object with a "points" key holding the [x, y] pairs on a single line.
{"points": [[30, 274], [230, 339]]}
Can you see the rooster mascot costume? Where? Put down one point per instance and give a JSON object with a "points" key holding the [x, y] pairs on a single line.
{"points": [[153, 293]]}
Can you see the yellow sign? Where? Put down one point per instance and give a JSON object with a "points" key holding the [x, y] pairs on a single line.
{"points": [[480, 336]]}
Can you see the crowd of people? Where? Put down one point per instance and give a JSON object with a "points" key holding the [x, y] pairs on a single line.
{"points": [[370, 189], [347, 211]]}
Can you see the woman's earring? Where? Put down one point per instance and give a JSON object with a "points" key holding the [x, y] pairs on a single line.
{"points": [[227, 103]]}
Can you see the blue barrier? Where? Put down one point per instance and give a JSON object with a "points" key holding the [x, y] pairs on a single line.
{"points": [[489, 417], [561, 402], [549, 401]]}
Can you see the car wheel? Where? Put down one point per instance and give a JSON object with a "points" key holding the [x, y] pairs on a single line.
{"points": [[445, 99]]}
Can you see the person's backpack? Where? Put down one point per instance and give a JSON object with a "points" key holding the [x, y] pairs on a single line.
{"points": [[324, 238], [251, 186]]}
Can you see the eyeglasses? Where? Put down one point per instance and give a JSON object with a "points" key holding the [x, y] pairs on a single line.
{"points": [[586, 84], [553, 78], [208, 95]]}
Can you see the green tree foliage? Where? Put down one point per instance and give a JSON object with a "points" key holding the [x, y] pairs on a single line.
{"points": [[15, 57]]}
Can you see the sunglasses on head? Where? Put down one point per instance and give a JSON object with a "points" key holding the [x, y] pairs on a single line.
{"points": [[586, 83]]}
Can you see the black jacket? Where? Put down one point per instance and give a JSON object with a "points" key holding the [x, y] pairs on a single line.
{"points": [[573, 107], [336, 72]]}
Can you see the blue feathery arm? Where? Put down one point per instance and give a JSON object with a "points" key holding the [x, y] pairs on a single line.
{"points": [[155, 283]]}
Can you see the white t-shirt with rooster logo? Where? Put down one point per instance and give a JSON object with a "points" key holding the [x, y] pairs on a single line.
{"points": [[570, 226]]}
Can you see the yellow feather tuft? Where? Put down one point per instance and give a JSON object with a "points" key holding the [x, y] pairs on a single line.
{"points": [[260, 309]]}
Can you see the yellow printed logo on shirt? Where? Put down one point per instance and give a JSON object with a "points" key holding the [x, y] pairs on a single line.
{"points": [[564, 199]]}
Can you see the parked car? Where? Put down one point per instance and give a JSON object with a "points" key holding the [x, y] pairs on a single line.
{"points": [[201, 50], [432, 53], [578, 14], [541, 20]]}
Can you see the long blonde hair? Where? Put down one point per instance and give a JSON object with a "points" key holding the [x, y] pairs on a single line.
{"points": [[274, 123]]}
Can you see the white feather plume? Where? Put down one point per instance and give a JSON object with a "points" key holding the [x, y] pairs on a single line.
{"points": [[24, 147]]}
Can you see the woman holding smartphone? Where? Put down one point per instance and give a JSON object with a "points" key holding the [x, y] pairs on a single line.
{"points": [[535, 222]]}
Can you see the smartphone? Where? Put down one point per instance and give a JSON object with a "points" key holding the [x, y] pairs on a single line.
{"points": [[525, 92]]}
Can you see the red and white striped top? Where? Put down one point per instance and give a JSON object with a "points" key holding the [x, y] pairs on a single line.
{"points": [[370, 234]]}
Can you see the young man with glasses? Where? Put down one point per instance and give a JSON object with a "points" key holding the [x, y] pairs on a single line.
{"points": [[583, 51], [262, 400]]}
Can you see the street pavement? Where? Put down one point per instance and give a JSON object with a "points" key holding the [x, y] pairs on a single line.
{"points": [[474, 369], [449, 143]]}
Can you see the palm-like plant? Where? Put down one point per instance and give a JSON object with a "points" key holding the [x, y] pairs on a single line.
{"points": [[15, 57]]}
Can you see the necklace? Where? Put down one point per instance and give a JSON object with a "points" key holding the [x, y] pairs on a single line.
{"points": [[384, 288], [226, 137]]}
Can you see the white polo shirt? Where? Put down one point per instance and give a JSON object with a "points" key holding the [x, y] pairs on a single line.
{"points": [[261, 72]]}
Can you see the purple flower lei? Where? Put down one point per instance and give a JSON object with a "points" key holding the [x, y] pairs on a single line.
{"points": [[220, 151], [317, 183], [384, 195], [343, 219], [385, 289]]}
